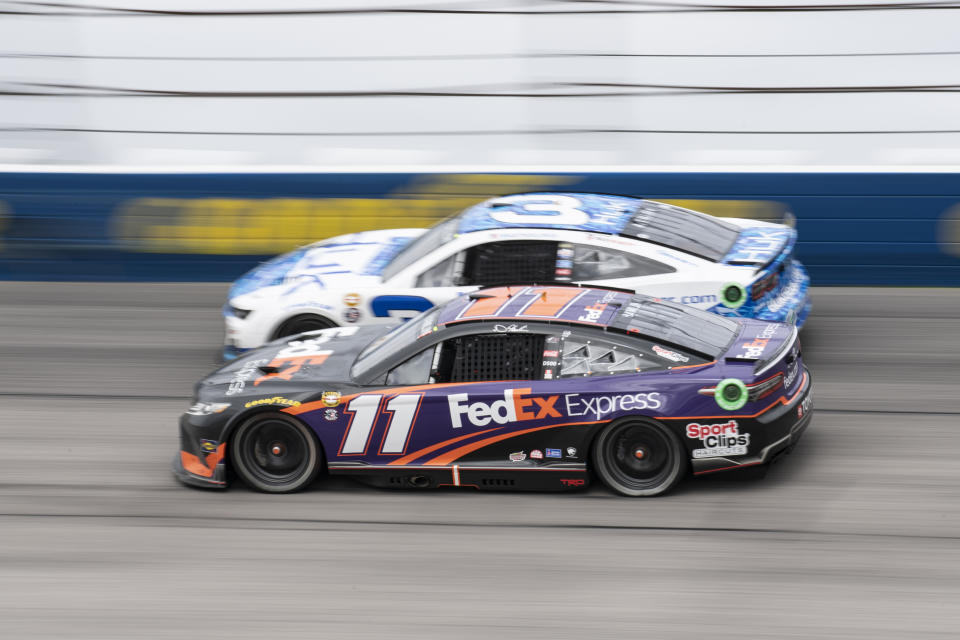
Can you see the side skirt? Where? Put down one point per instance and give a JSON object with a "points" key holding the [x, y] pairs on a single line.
{"points": [[568, 477]]}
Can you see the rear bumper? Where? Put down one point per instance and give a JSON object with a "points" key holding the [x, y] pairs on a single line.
{"points": [[780, 429], [793, 303]]}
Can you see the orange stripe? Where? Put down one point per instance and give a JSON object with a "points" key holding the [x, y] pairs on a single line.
{"points": [[488, 306], [692, 366], [459, 452], [422, 452], [736, 466], [550, 301]]}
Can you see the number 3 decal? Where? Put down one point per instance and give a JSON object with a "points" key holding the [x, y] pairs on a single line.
{"points": [[366, 409], [547, 209]]}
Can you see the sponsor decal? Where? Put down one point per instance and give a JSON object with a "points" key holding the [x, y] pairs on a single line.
{"points": [[519, 456], [517, 405], [509, 328], [298, 353], [242, 375], [791, 375], [548, 375], [330, 398], [804, 407], [277, 400], [786, 296], [709, 298], [593, 312], [754, 350], [536, 454], [551, 353], [571, 452], [573, 482], [564, 272], [599, 406], [351, 299], [669, 355], [207, 408], [564, 264], [564, 253], [351, 315], [720, 439], [209, 446], [330, 414], [554, 453]]}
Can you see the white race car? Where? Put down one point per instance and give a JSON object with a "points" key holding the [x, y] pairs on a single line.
{"points": [[730, 266]]}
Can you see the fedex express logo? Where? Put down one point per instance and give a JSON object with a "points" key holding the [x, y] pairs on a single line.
{"points": [[519, 405], [755, 349]]}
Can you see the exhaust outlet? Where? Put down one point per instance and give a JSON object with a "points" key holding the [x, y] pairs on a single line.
{"points": [[420, 482]]}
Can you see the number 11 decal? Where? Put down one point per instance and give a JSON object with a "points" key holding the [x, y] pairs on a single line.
{"points": [[366, 410]]}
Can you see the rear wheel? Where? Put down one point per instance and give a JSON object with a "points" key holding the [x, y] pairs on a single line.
{"points": [[639, 457], [301, 324], [275, 453]]}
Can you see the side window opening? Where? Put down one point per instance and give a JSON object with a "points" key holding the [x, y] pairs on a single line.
{"points": [[582, 355], [415, 370], [447, 273], [601, 263], [476, 358], [581, 358], [510, 262]]}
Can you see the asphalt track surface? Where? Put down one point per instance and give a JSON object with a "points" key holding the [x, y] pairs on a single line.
{"points": [[854, 535]]}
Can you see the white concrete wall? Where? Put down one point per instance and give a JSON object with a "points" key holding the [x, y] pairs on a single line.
{"points": [[486, 54]]}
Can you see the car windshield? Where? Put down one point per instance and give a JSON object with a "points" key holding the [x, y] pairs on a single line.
{"points": [[392, 342], [435, 237]]}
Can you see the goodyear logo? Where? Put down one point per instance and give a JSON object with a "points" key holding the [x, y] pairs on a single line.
{"points": [[275, 400]]}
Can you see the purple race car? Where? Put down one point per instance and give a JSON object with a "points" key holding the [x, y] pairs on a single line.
{"points": [[526, 388]]}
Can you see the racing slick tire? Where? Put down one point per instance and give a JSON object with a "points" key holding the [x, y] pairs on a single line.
{"points": [[274, 453], [302, 323], [639, 457]]}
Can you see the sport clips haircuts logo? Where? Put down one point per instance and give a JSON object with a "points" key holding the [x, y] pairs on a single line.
{"points": [[722, 439]]}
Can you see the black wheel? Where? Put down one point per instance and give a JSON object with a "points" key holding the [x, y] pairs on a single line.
{"points": [[275, 453], [301, 323], [639, 457]]}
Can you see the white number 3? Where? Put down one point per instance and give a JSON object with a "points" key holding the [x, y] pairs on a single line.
{"points": [[546, 209]]}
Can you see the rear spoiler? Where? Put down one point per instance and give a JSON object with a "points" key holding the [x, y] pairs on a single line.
{"points": [[759, 247]]}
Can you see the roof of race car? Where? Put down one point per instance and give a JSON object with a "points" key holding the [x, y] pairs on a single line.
{"points": [[564, 304], [646, 220], [677, 324]]}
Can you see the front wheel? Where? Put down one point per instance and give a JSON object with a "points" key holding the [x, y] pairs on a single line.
{"points": [[275, 453], [639, 457], [301, 324]]}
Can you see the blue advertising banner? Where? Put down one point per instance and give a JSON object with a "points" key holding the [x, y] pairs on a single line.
{"points": [[854, 228]]}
